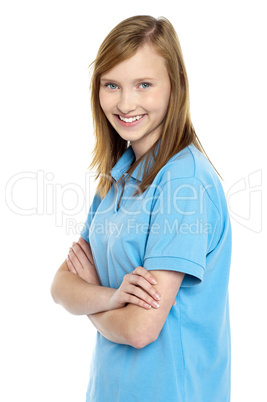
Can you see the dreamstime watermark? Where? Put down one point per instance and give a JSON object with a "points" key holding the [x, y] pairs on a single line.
{"points": [[65, 202]]}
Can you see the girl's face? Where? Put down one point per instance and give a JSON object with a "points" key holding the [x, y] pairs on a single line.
{"points": [[134, 96]]}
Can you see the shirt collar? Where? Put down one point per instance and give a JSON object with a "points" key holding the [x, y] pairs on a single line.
{"points": [[123, 164]]}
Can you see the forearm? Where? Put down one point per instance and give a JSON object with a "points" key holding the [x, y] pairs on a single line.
{"points": [[112, 325], [135, 326], [128, 325], [77, 296]]}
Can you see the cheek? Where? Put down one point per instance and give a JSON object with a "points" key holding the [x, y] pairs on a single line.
{"points": [[159, 101], [104, 101], [153, 102], [101, 100], [165, 100]]}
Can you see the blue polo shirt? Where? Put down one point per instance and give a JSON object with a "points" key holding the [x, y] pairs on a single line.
{"points": [[179, 223]]}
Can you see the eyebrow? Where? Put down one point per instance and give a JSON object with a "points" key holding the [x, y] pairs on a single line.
{"points": [[143, 79]]}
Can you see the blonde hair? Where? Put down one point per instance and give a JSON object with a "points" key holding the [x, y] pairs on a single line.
{"points": [[177, 133]]}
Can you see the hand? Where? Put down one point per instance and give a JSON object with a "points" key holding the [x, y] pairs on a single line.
{"points": [[137, 288], [80, 261]]}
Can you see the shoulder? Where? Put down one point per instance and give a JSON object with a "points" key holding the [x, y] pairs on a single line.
{"points": [[191, 168], [189, 163]]}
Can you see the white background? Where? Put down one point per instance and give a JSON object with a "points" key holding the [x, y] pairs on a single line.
{"points": [[46, 140]]}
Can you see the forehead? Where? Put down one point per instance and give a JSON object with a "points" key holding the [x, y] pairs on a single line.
{"points": [[145, 62]]}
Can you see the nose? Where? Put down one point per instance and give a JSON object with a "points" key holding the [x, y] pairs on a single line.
{"points": [[127, 101]]}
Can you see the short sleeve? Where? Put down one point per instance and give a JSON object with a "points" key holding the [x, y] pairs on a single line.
{"points": [[183, 229], [93, 208]]}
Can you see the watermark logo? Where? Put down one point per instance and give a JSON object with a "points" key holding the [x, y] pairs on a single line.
{"points": [[38, 193], [165, 227], [245, 201], [46, 197]]}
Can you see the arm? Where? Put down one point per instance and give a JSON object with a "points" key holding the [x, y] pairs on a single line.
{"points": [[78, 296], [137, 327], [77, 288]]}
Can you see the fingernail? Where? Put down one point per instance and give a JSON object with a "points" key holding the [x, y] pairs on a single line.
{"points": [[157, 296], [155, 304], [154, 281]]}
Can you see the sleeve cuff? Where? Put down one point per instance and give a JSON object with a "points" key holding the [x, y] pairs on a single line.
{"points": [[193, 272], [85, 233]]}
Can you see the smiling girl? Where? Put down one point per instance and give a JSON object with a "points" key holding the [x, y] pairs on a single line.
{"points": [[136, 104], [151, 267]]}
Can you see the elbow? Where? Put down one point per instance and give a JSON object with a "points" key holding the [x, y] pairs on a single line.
{"points": [[53, 292], [139, 328], [141, 339], [56, 288]]}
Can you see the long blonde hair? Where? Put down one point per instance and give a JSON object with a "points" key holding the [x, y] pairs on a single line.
{"points": [[177, 133]]}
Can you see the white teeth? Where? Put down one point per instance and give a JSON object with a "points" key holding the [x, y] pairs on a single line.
{"points": [[131, 119]]}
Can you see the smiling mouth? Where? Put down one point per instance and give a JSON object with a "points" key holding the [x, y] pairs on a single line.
{"points": [[130, 119]]}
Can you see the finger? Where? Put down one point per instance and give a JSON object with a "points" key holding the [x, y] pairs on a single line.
{"points": [[146, 274], [75, 261], [141, 282], [86, 249], [71, 266], [83, 252], [142, 295], [138, 302], [80, 254]]}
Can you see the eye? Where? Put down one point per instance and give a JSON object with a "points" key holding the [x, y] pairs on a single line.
{"points": [[111, 86], [145, 85]]}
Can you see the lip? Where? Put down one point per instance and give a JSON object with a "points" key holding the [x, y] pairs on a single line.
{"points": [[133, 123]]}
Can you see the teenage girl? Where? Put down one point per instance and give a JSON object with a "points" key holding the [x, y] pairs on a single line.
{"points": [[151, 267]]}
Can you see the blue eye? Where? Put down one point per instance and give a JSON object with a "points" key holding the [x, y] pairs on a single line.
{"points": [[112, 86], [145, 85]]}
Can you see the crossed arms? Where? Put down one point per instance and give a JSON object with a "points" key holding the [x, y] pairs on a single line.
{"points": [[131, 315]]}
